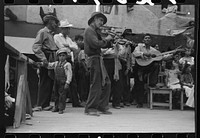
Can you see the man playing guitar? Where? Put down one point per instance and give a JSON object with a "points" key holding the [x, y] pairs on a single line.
{"points": [[145, 64]]}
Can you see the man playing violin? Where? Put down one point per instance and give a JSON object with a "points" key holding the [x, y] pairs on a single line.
{"points": [[100, 84]]}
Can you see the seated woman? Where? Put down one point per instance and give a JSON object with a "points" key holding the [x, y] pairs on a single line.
{"points": [[172, 76]]}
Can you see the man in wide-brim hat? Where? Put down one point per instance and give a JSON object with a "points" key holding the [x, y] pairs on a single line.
{"points": [[63, 40], [100, 85], [48, 19], [45, 48]]}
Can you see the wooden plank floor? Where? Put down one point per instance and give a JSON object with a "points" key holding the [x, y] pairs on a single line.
{"points": [[124, 120]]}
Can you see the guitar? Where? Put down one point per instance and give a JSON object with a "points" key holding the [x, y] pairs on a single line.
{"points": [[156, 56]]}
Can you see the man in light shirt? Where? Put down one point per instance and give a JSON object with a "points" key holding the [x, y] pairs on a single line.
{"points": [[63, 40]]}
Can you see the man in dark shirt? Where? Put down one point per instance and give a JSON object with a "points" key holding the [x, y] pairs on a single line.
{"points": [[100, 84], [44, 48]]}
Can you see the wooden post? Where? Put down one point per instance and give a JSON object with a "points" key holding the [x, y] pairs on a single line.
{"points": [[19, 102], [23, 103]]}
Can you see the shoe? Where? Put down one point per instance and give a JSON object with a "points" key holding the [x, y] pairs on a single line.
{"points": [[60, 112], [139, 105], [83, 104], [92, 113], [28, 116], [133, 103], [106, 112], [38, 108], [55, 110], [126, 104], [154, 86], [48, 108], [121, 105], [117, 107]]}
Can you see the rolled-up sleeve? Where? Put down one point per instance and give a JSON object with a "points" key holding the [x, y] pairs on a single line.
{"points": [[137, 52], [93, 41], [68, 72], [58, 42], [37, 46]]}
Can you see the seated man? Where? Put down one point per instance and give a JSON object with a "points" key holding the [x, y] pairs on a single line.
{"points": [[146, 64]]}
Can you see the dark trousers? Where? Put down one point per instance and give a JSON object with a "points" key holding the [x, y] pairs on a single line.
{"points": [[98, 97], [83, 84], [74, 92], [138, 90], [152, 70], [60, 95], [115, 85], [45, 88], [125, 82]]}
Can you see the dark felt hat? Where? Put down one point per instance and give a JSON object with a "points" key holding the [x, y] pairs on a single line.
{"points": [[46, 18], [98, 14]]}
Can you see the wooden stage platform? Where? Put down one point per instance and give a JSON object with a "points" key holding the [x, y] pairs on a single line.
{"points": [[124, 120]]}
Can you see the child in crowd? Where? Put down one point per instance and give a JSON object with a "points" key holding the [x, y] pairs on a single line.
{"points": [[187, 83], [172, 76], [63, 77], [175, 61], [187, 59]]}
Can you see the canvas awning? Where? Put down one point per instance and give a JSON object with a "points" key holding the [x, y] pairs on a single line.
{"points": [[172, 23]]}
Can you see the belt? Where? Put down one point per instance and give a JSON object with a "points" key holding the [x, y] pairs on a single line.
{"points": [[103, 69]]}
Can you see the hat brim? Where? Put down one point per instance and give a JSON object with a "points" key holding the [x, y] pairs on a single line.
{"points": [[58, 53], [66, 26], [98, 15]]}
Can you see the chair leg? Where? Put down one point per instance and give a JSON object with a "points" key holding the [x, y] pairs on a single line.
{"points": [[151, 99], [170, 100], [148, 99], [182, 104]]}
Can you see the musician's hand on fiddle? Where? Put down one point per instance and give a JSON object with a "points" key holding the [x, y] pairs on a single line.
{"points": [[128, 43], [109, 38]]}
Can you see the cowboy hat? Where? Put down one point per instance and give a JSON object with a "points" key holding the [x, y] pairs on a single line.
{"points": [[65, 23], [46, 18], [62, 50], [98, 14]]}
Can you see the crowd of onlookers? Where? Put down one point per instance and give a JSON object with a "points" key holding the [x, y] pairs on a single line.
{"points": [[63, 70]]}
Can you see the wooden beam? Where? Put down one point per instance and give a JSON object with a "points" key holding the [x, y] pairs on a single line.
{"points": [[19, 102]]}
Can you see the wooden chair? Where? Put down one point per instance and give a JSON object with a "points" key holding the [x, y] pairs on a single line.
{"points": [[162, 89]]}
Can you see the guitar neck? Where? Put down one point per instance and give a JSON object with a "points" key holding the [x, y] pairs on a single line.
{"points": [[168, 52]]}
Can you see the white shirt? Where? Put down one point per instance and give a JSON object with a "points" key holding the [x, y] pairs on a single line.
{"points": [[61, 42]]}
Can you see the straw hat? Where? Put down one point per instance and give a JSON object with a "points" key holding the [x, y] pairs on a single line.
{"points": [[98, 14], [65, 23]]}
